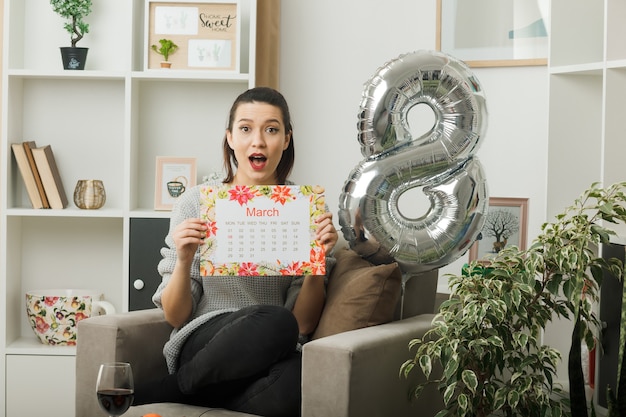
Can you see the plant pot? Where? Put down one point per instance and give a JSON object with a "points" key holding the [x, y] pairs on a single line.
{"points": [[73, 58], [166, 64]]}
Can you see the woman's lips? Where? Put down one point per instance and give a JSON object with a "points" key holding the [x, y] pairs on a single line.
{"points": [[257, 161]]}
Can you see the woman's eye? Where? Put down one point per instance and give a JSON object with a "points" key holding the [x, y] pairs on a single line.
{"points": [[272, 130], [244, 128]]}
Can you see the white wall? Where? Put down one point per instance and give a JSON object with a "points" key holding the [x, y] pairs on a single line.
{"points": [[329, 49]]}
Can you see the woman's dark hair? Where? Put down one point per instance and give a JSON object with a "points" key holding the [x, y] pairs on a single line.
{"points": [[269, 96]]}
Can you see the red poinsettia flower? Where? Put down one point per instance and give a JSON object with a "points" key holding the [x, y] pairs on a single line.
{"points": [[282, 194], [295, 268], [248, 269], [318, 262], [211, 229], [241, 193]]}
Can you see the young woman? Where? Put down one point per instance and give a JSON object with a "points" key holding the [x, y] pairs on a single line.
{"points": [[235, 340]]}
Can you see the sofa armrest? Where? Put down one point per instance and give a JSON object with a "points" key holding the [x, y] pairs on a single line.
{"points": [[357, 373], [136, 337]]}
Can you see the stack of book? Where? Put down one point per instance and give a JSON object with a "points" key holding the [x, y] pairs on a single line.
{"points": [[41, 175]]}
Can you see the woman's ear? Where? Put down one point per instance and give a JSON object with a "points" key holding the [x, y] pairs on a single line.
{"points": [[287, 140], [229, 138]]}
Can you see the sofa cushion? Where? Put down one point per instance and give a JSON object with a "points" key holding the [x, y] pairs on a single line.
{"points": [[359, 294]]}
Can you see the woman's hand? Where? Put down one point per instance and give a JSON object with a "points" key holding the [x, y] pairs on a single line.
{"points": [[176, 298], [187, 236], [326, 232]]}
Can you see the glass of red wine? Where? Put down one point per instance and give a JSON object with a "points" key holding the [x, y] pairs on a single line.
{"points": [[115, 388]]}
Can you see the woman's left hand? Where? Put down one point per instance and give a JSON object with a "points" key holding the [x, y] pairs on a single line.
{"points": [[326, 232]]}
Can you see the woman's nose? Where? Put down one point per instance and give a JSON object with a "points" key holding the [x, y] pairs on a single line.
{"points": [[257, 138]]}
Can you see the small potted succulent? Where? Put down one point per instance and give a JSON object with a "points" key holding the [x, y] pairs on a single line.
{"points": [[73, 11], [167, 47]]}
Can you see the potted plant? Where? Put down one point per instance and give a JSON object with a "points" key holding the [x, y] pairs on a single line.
{"points": [[167, 47], [73, 11], [486, 338]]}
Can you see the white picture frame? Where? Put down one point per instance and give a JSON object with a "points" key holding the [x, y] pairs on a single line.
{"points": [[174, 176], [208, 34]]}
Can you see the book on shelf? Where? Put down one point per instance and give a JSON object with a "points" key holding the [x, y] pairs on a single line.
{"points": [[27, 175], [50, 177], [28, 147]]}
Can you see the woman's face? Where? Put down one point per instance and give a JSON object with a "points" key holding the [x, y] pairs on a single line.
{"points": [[258, 139]]}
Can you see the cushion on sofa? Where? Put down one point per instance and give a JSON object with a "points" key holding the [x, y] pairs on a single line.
{"points": [[359, 294]]}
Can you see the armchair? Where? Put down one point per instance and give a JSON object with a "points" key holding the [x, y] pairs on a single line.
{"points": [[353, 373]]}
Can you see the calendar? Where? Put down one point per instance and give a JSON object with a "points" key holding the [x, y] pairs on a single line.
{"points": [[261, 230]]}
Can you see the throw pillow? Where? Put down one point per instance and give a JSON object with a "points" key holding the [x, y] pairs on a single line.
{"points": [[359, 294]]}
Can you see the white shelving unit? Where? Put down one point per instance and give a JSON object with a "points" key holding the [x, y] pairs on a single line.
{"points": [[108, 122], [587, 90], [587, 86]]}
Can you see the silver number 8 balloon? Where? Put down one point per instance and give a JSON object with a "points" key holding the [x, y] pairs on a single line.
{"points": [[441, 162]]}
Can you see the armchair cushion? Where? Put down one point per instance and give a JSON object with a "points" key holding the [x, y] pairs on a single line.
{"points": [[359, 294]]}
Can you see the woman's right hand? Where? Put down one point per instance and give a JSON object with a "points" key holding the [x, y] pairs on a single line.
{"points": [[176, 298], [187, 236]]}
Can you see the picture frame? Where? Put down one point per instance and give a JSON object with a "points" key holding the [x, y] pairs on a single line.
{"points": [[494, 33], [513, 211], [207, 33], [173, 177]]}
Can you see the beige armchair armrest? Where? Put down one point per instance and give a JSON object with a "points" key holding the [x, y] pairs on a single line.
{"points": [[356, 373], [136, 337]]}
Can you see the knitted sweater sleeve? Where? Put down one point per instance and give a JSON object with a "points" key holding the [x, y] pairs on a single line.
{"points": [[186, 207]]}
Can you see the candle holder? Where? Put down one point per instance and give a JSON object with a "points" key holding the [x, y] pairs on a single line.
{"points": [[89, 194]]}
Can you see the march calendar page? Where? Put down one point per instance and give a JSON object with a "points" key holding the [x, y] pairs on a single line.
{"points": [[261, 230]]}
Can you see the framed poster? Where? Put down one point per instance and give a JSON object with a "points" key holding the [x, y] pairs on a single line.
{"points": [[505, 225], [207, 34], [261, 230], [173, 177], [494, 33]]}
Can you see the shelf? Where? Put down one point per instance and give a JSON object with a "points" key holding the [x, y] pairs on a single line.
{"points": [[592, 68], [618, 240], [191, 75], [616, 64], [67, 212], [156, 74], [32, 346], [61, 74], [108, 122]]}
